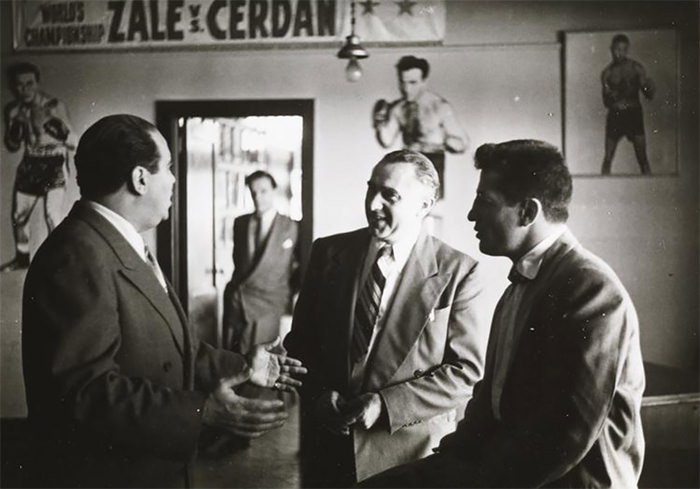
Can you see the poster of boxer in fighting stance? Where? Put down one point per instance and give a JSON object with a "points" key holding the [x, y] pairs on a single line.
{"points": [[425, 120], [38, 124]]}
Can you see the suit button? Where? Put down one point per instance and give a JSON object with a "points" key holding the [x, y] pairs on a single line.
{"points": [[167, 366], [418, 373]]}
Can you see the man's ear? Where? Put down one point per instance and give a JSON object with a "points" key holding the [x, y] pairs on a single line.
{"points": [[531, 209], [426, 206], [138, 183]]}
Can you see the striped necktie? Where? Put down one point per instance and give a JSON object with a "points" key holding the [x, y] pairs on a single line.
{"points": [[367, 307]]}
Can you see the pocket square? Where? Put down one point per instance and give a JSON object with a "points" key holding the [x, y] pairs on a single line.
{"points": [[287, 243]]}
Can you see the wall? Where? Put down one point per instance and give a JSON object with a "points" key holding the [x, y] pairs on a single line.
{"points": [[500, 68]]}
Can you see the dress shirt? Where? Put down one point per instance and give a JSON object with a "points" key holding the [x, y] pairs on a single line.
{"points": [[512, 308], [128, 231], [265, 222], [391, 266]]}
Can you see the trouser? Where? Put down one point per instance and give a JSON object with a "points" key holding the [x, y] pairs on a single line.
{"points": [[22, 207]]}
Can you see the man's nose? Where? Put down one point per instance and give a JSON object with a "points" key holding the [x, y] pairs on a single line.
{"points": [[376, 202], [470, 215]]}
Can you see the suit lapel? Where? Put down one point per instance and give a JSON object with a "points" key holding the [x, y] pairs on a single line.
{"points": [[344, 276], [417, 292], [135, 270], [535, 288], [244, 239], [270, 243]]}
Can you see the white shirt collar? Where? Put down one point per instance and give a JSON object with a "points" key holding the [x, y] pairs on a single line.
{"points": [[401, 249], [125, 228], [530, 263], [267, 216]]}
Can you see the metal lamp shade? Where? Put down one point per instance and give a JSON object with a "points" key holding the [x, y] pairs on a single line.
{"points": [[352, 48]]}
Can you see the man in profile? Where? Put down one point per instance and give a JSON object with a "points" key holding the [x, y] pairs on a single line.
{"points": [[560, 401], [118, 384], [425, 120], [623, 80], [38, 123], [392, 326]]}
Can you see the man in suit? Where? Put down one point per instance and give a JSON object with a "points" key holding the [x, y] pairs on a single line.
{"points": [[265, 274], [118, 386], [391, 325], [559, 405]]}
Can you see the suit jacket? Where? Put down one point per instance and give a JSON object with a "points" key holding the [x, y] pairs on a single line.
{"points": [[262, 285], [570, 406], [115, 378], [425, 362]]}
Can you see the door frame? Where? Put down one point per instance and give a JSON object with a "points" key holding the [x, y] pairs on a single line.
{"points": [[172, 234]]}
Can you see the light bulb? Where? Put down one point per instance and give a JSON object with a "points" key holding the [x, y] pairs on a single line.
{"points": [[353, 71]]}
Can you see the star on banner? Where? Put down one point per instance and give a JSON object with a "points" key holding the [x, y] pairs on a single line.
{"points": [[368, 7], [405, 7]]}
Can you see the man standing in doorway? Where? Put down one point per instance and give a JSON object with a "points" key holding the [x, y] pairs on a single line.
{"points": [[266, 269], [265, 276], [623, 80], [40, 123], [426, 121]]}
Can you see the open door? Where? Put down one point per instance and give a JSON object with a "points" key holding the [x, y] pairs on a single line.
{"points": [[216, 144]]}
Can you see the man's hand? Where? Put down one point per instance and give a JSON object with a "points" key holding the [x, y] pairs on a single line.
{"points": [[329, 408], [241, 416], [274, 369], [363, 411]]}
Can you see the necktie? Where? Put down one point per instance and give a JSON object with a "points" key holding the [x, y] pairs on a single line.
{"points": [[258, 234], [151, 261], [367, 307], [516, 277]]}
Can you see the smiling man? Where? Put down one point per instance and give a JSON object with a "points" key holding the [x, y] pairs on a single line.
{"points": [[559, 405], [391, 324]]}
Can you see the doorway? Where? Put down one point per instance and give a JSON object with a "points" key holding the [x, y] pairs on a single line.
{"points": [[215, 144]]}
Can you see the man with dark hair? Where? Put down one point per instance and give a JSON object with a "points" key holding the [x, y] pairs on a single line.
{"points": [[425, 120], [623, 79], [39, 123], [118, 385], [265, 275], [266, 269], [559, 404], [391, 324]]}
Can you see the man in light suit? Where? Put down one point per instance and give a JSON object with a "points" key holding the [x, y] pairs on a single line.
{"points": [[266, 266], [559, 405], [388, 365], [118, 386]]}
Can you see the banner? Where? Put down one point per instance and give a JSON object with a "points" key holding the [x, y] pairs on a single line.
{"points": [[133, 24]]}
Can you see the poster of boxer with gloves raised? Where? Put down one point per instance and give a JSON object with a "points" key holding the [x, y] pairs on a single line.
{"points": [[424, 119], [37, 123]]}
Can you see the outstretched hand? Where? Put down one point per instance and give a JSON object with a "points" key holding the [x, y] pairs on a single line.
{"points": [[274, 370], [241, 416]]}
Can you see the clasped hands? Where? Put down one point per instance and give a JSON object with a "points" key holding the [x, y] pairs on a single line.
{"points": [[338, 415], [247, 417]]}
